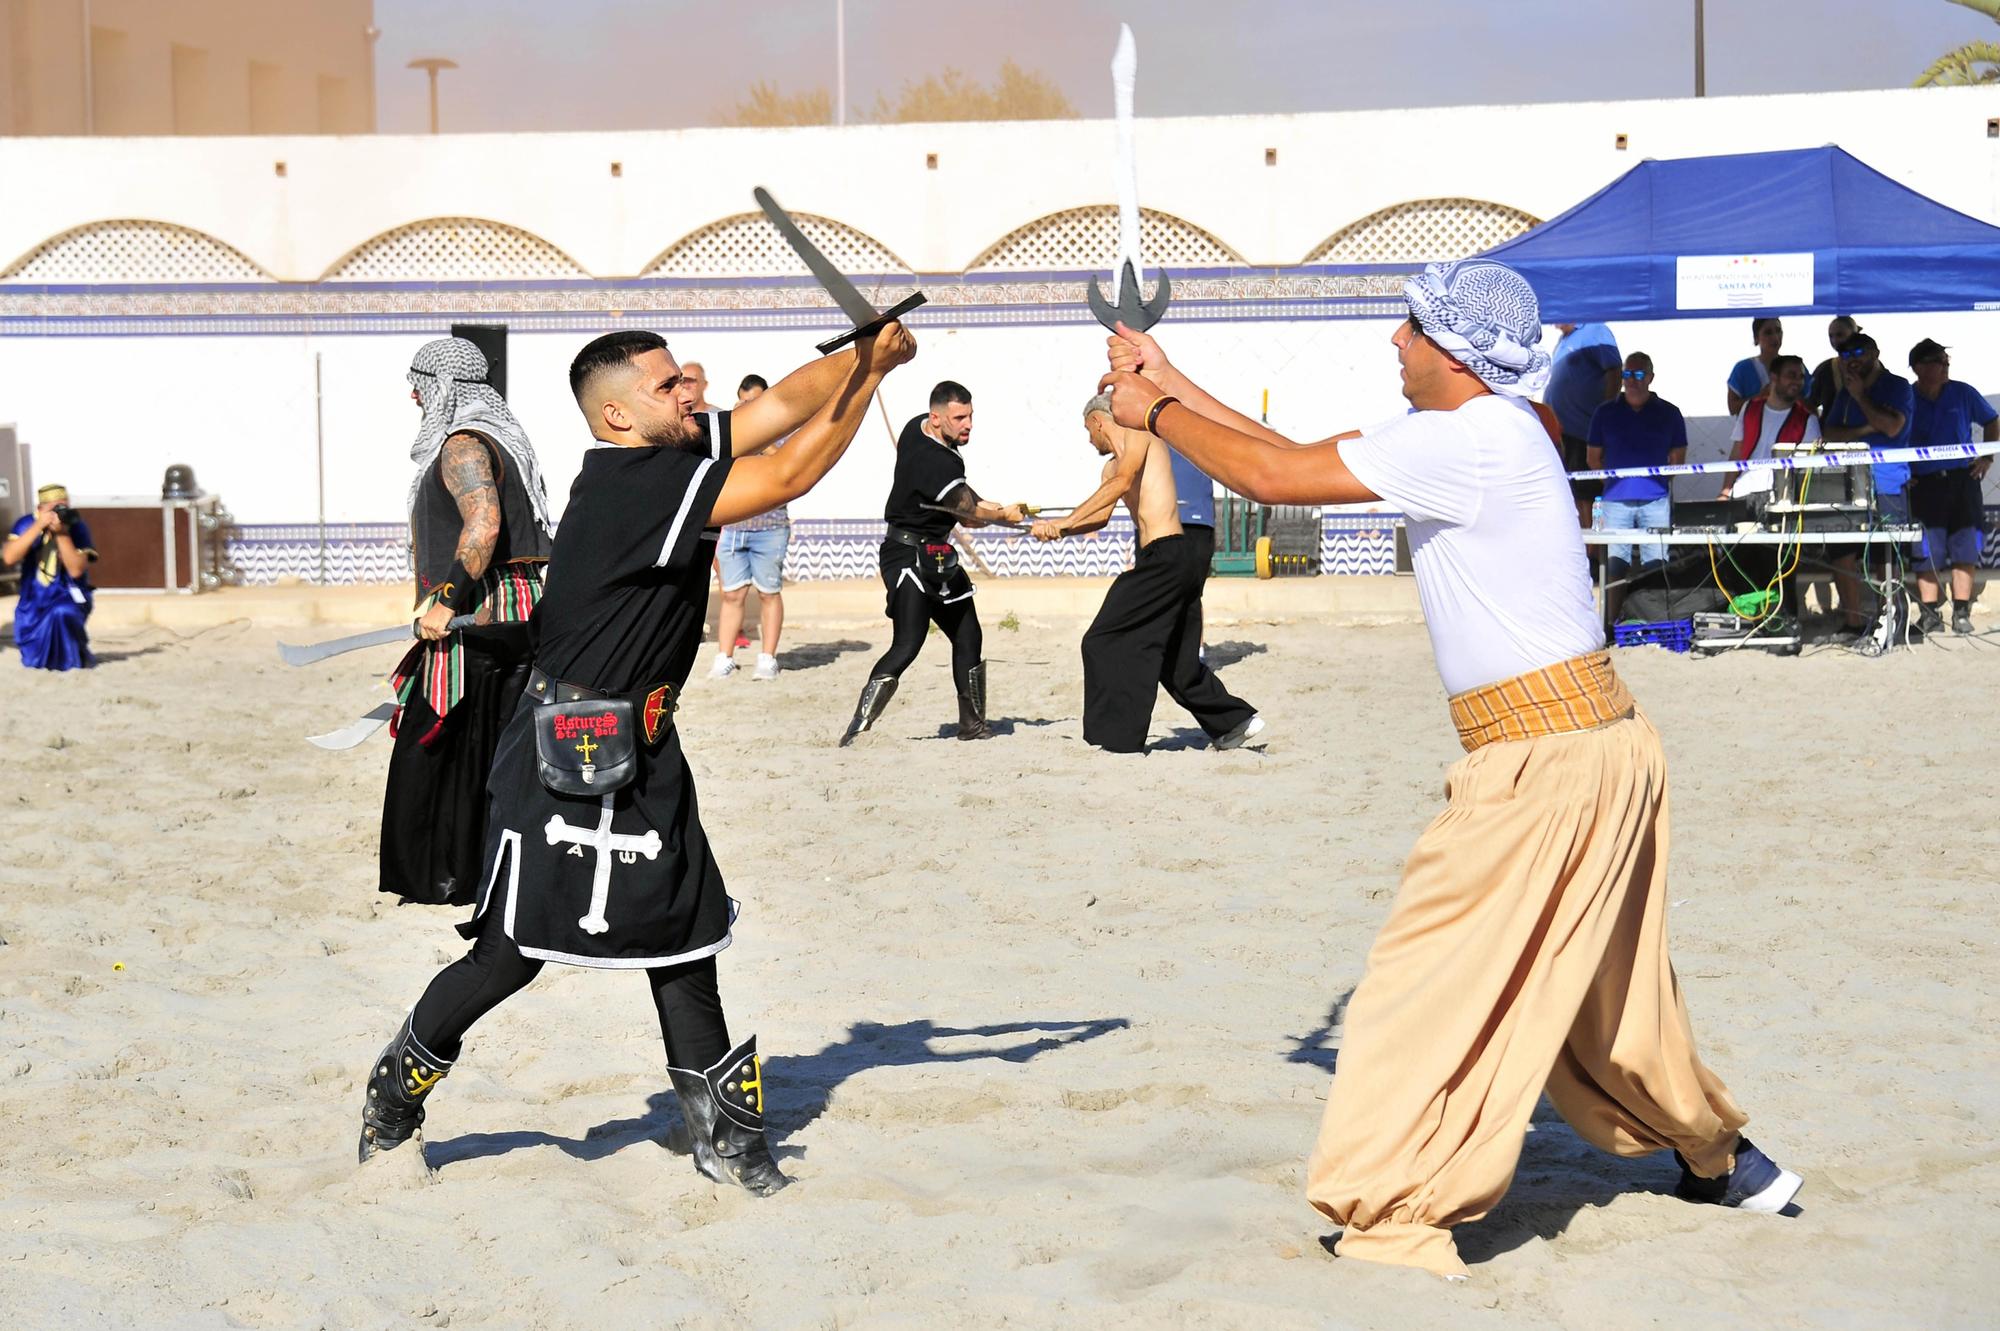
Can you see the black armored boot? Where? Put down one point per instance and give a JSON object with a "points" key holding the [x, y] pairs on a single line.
{"points": [[972, 705], [724, 1108], [875, 695], [397, 1087]]}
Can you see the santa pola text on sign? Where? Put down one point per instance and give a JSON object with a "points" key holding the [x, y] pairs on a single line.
{"points": [[1743, 281], [569, 727]]}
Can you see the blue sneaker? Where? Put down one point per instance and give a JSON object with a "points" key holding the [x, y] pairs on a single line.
{"points": [[1755, 1184]]}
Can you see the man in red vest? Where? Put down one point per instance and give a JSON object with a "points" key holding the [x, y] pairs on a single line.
{"points": [[1779, 417]]}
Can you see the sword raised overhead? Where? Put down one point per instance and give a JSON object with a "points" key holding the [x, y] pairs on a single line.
{"points": [[852, 303], [1131, 307]]}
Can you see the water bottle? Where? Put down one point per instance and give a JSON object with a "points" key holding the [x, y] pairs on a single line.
{"points": [[1597, 514]]}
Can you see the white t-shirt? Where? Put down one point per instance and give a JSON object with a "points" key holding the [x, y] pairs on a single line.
{"points": [[1757, 482], [1499, 559]]}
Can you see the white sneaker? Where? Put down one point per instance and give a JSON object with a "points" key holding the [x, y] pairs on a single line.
{"points": [[724, 667], [1243, 734], [767, 667]]}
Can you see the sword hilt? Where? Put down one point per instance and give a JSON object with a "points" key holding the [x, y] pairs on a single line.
{"points": [[896, 311], [1132, 310]]}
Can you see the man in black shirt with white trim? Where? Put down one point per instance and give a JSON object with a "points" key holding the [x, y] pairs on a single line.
{"points": [[625, 879], [920, 568]]}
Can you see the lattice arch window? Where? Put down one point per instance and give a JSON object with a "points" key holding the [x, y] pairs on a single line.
{"points": [[747, 245], [454, 249], [135, 251], [1088, 238], [1422, 231]]}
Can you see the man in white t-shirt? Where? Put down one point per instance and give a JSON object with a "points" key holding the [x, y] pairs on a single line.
{"points": [[1526, 951], [1782, 414]]}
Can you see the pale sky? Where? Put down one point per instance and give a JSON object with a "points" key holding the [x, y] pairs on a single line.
{"points": [[669, 64]]}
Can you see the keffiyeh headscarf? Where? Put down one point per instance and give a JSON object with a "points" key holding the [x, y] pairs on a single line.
{"points": [[449, 375], [1485, 314]]}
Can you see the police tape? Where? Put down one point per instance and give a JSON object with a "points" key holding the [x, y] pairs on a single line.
{"points": [[1800, 461]]}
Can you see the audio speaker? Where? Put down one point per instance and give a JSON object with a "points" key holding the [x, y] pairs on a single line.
{"points": [[491, 339]]}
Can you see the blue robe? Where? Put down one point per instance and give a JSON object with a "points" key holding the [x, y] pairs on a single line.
{"points": [[48, 619]]}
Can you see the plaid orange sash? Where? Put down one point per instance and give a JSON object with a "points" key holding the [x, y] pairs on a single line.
{"points": [[1582, 693]]}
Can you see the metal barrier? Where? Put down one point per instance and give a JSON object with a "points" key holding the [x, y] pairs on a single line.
{"points": [[1265, 540]]}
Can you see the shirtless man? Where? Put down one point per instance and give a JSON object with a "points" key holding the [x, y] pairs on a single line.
{"points": [[1148, 632]]}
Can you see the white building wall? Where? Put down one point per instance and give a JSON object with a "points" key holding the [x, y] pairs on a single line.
{"points": [[107, 413]]}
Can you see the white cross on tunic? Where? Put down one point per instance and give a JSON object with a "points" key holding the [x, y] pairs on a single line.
{"points": [[604, 841]]}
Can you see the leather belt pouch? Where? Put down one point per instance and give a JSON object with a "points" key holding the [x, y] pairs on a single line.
{"points": [[587, 747]]}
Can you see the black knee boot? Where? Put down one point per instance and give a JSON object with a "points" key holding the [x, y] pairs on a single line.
{"points": [[875, 695], [972, 704], [397, 1087], [724, 1109]]}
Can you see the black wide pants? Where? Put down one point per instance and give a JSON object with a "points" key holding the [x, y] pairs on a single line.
{"points": [[1147, 636]]}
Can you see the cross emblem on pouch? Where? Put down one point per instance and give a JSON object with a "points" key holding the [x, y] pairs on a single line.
{"points": [[586, 748], [604, 841]]}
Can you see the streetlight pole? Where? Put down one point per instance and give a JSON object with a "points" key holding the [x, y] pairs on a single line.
{"points": [[1700, 53], [431, 64], [840, 62]]}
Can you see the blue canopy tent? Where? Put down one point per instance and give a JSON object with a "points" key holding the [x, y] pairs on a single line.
{"points": [[1809, 231]]}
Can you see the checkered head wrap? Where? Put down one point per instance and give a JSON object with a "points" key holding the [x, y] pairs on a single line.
{"points": [[449, 375], [1486, 316]]}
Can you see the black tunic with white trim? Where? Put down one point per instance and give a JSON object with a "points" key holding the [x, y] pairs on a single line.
{"points": [[927, 471], [624, 880]]}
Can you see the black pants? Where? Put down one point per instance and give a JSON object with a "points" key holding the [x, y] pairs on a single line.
{"points": [[689, 1005], [433, 842], [1148, 635], [911, 614]]}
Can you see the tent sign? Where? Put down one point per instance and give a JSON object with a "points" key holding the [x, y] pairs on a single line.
{"points": [[1742, 281]]}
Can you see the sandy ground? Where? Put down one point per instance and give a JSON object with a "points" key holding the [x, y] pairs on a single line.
{"points": [[1047, 1031]]}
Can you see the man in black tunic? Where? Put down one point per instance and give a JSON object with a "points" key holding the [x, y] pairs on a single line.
{"points": [[626, 880], [920, 568], [479, 540]]}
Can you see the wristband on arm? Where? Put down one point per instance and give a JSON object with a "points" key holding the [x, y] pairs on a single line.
{"points": [[459, 590], [1160, 404]]}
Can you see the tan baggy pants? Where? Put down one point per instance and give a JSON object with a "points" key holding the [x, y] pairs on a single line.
{"points": [[1526, 951]]}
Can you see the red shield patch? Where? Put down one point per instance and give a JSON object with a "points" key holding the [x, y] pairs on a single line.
{"points": [[655, 713]]}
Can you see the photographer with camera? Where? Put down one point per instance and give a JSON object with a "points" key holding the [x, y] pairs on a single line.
{"points": [[55, 584]]}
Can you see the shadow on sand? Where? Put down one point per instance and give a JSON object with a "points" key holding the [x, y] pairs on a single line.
{"points": [[802, 1086]]}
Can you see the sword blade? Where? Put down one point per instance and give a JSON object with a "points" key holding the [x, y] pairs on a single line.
{"points": [[353, 733], [305, 654], [852, 303], [1124, 77]]}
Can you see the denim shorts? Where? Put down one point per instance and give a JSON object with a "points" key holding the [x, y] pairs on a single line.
{"points": [[1624, 514], [753, 557]]}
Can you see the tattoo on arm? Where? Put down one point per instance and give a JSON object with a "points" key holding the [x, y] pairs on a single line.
{"points": [[468, 476], [963, 503]]}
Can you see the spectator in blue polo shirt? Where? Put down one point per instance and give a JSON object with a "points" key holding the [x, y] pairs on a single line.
{"points": [[1638, 428], [1873, 409], [1751, 376], [1945, 495]]}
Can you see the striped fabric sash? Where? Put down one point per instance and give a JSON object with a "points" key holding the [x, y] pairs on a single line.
{"points": [[438, 668], [1582, 693]]}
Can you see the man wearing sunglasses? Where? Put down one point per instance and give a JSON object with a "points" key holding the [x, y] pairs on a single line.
{"points": [[1823, 384], [1946, 496], [1872, 409], [1638, 428]]}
